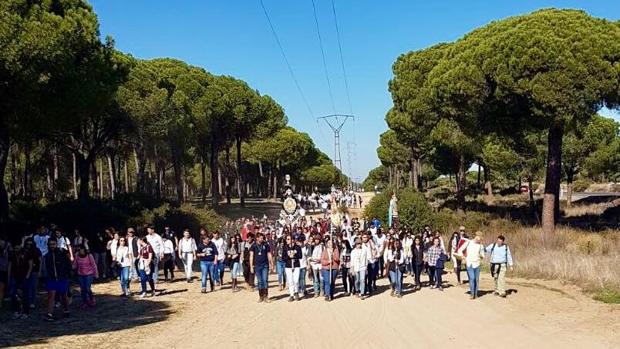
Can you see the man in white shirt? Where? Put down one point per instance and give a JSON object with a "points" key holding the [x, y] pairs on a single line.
{"points": [[221, 255], [157, 244], [379, 238], [372, 253]]}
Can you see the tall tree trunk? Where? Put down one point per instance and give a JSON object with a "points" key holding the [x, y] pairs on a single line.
{"points": [[5, 145], [275, 180], [178, 171], [415, 174], [84, 165], [239, 175], [488, 185], [111, 170], [55, 174], [551, 200], [203, 180], [533, 209], [126, 173], [269, 184], [418, 164], [227, 177], [100, 179], [461, 184], [27, 176], [14, 170], [570, 175], [139, 155], [478, 183], [75, 176], [214, 175]]}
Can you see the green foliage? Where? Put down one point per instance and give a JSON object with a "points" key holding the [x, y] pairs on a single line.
{"points": [[413, 209], [322, 177], [378, 176], [607, 295], [179, 218]]}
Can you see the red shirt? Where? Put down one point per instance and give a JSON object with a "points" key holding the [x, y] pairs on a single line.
{"points": [[145, 251]]}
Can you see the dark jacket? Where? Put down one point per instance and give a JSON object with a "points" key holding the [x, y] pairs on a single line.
{"points": [[291, 256], [58, 264], [417, 255]]}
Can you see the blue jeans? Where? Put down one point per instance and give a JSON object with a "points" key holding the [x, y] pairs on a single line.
{"points": [[155, 269], [474, 278], [302, 280], [417, 270], [234, 270], [396, 278], [360, 281], [207, 269], [262, 273], [218, 272], [85, 283], [144, 278], [316, 281], [329, 284], [124, 271], [33, 282], [438, 279], [280, 266], [371, 276]]}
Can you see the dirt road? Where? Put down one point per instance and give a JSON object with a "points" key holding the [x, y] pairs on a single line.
{"points": [[535, 315]]}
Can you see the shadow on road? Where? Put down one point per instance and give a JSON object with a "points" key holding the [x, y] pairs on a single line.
{"points": [[112, 314]]}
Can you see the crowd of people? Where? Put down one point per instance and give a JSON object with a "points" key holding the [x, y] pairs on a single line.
{"points": [[309, 258]]}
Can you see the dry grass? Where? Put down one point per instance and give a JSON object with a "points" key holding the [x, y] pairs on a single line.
{"points": [[589, 260], [577, 210]]}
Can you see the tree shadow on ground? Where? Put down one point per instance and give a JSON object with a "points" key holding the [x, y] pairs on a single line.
{"points": [[111, 314]]}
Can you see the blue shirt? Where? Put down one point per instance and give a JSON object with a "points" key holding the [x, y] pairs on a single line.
{"points": [[210, 251], [499, 254]]}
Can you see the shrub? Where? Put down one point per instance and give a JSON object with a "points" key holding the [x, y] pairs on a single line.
{"points": [[413, 209]]}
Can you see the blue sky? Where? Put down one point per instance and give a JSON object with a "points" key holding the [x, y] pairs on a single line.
{"points": [[234, 38]]}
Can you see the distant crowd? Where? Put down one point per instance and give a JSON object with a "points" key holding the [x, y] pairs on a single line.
{"points": [[312, 258]]}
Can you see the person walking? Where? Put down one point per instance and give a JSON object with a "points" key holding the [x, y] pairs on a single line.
{"points": [[359, 265], [157, 245], [134, 248], [330, 263], [124, 262], [474, 255], [303, 265], [457, 240], [435, 256], [168, 259], [221, 256], [373, 255], [232, 256], [18, 269], [348, 281], [260, 261], [417, 261], [316, 251], [248, 275], [33, 254], [291, 254], [58, 268], [146, 263], [280, 263], [187, 253], [86, 268], [207, 253], [396, 267], [5, 259], [501, 259]]}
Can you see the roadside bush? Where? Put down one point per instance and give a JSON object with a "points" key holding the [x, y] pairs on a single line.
{"points": [[582, 184], [413, 209], [179, 218]]}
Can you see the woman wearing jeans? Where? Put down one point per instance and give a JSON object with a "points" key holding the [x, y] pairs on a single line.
{"points": [[280, 264], [348, 282], [207, 252], [86, 267], [123, 260], [417, 261], [475, 256], [145, 266], [330, 263], [396, 263], [316, 250], [359, 264], [232, 254]]}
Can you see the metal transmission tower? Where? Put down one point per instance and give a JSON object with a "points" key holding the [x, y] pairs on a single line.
{"points": [[336, 122]]}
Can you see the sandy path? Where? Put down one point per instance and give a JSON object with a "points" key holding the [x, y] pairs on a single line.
{"points": [[535, 316]]}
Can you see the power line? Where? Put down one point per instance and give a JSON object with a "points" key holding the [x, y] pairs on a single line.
{"points": [[318, 31], [344, 72], [290, 69]]}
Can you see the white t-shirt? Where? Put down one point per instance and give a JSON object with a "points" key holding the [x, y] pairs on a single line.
{"points": [[41, 242], [122, 256], [187, 245], [168, 247], [157, 243], [221, 248]]}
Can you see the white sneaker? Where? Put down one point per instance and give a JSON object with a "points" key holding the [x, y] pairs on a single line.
{"points": [[143, 294], [16, 315]]}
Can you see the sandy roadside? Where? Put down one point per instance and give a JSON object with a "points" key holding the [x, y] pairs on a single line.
{"points": [[536, 315]]}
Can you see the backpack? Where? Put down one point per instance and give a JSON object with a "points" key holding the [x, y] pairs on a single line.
{"points": [[498, 266]]}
